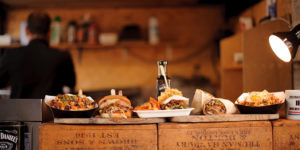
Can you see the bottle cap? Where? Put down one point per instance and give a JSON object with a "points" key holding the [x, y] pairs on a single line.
{"points": [[72, 23], [57, 18], [162, 62]]}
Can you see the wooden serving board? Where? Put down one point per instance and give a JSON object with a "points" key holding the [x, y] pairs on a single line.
{"points": [[223, 118], [108, 121]]}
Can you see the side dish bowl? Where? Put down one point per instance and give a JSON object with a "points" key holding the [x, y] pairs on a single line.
{"points": [[58, 113], [265, 109], [270, 109]]}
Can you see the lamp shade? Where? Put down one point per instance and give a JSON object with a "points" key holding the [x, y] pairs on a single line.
{"points": [[285, 44]]}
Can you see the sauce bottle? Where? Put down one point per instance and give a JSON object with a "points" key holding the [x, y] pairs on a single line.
{"points": [[71, 32], [92, 34], [82, 33], [160, 82], [56, 31]]}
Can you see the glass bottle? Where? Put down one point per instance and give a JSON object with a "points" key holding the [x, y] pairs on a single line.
{"points": [[160, 81]]}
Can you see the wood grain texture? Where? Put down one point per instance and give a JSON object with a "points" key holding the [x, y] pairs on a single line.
{"points": [[286, 134], [103, 68], [284, 9], [231, 77], [97, 3], [224, 118], [259, 11], [262, 69], [217, 136], [62, 137], [231, 83], [256, 13], [108, 121], [229, 46]]}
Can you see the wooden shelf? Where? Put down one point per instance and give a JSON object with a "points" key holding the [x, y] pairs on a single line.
{"points": [[15, 45], [233, 67], [129, 44], [138, 44], [99, 4]]}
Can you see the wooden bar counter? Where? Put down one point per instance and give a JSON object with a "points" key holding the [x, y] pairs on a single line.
{"points": [[254, 135], [98, 137], [286, 134], [279, 134]]}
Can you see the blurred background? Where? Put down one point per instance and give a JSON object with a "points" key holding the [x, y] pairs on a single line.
{"points": [[117, 43]]}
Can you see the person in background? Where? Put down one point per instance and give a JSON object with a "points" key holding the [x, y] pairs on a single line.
{"points": [[36, 69]]}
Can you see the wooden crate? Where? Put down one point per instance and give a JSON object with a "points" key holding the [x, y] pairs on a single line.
{"points": [[217, 136], [286, 134], [98, 137]]}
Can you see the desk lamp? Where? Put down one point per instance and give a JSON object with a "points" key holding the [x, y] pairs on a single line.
{"points": [[285, 44]]}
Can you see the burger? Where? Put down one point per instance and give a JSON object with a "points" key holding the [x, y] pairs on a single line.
{"points": [[115, 106], [172, 99]]}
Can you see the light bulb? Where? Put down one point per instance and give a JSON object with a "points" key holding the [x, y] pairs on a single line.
{"points": [[280, 49]]}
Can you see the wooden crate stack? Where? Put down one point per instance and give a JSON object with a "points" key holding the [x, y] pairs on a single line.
{"points": [[280, 134]]}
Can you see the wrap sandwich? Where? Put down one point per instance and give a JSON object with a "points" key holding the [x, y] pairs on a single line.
{"points": [[217, 106], [200, 98]]}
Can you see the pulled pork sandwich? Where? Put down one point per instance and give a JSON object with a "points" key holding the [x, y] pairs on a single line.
{"points": [[172, 99], [216, 106], [115, 106]]}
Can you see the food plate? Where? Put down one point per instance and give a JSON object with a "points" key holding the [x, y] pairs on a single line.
{"points": [[267, 109], [57, 113], [163, 113]]}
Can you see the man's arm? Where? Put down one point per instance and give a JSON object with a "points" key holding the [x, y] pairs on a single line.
{"points": [[3, 71]]}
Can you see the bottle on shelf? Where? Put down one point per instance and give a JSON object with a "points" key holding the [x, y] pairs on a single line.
{"points": [[160, 82], [153, 30], [71, 32], [92, 34], [271, 8], [56, 31], [23, 38], [82, 33]]}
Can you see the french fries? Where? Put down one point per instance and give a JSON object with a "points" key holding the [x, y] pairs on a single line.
{"points": [[151, 105]]}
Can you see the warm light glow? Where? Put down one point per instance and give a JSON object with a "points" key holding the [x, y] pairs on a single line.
{"points": [[280, 48]]}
